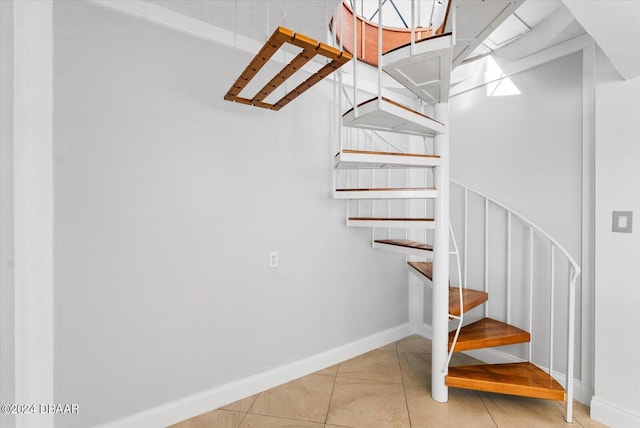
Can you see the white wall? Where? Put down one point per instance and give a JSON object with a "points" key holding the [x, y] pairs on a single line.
{"points": [[617, 272], [523, 150], [7, 324], [168, 200]]}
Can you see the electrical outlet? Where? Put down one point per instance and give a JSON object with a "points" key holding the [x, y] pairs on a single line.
{"points": [[273, 259]]}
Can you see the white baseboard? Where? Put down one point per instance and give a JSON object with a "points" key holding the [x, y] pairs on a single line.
{"points": [[424, 330], [612, 415], [497, 356], [187, 407]]}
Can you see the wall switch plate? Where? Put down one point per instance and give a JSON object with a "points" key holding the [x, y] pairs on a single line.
{"points": [[622, 221], [273, 259]]}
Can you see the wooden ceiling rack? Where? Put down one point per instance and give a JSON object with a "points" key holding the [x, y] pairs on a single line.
{"points": [[310, 48]]}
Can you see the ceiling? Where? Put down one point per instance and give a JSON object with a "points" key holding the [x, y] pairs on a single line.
{"points": [[535, 25], [615, 26]]}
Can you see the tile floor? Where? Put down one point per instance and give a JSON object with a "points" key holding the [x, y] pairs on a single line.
{"points": [[387, 387]]}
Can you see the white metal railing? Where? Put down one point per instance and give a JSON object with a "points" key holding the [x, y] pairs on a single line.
{"points": [[460, 317], [554, 248]]}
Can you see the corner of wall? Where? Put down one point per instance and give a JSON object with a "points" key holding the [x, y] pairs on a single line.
{"points": [[612, 415]]}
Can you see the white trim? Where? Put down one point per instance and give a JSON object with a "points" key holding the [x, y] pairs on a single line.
{"points": [[509, 69], [587, 340], [33, 206], [612, 415], [425, 331], [196, 404], [7, 283]]}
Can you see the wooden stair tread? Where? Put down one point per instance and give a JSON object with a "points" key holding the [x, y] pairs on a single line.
{"points": [[369, 152], [390, 218], [349, 159], [523, 379], [384, 114], [383, 189], [488, 333], [406, 243], [471, 298]]}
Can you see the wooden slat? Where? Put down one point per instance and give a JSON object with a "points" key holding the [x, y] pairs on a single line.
{"points": [[406, 243], [287, 71], [312, 80], [266, 52], [471, 298], [523, 379], [488, 333]]}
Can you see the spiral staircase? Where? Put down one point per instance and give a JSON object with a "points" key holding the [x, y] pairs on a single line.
{"points": [[392, 169], [418, 64]]}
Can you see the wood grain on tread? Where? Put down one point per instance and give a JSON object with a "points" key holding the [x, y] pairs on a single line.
{"points": [[471, 298], [487, 333], [523, 379]]}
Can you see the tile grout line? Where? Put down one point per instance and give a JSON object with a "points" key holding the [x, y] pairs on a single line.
{"points": [[335, 379], [404, 387], [486, 408], [249, 409]]}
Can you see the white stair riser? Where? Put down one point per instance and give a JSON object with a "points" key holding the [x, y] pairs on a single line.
{"points": [[385, 116], [399, 224], [354, 160], [403, 250]]}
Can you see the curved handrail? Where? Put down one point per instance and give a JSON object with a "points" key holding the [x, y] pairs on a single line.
{"points": [[571, 290], [572, 261]]}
